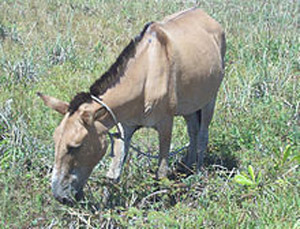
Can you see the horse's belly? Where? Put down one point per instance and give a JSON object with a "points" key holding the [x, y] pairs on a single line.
{"points": [[195, 93]]}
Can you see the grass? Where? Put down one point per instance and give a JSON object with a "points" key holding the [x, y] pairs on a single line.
{"points": [[61, 47]]}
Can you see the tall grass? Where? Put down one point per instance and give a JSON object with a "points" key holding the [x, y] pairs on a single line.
{"points": [[252, 168]]}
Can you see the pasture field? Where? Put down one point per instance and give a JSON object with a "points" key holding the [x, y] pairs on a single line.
{"points": [[251, 173]]}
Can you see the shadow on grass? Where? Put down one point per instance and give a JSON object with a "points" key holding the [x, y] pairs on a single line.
{"points": [[222, 157], [218, 157]]}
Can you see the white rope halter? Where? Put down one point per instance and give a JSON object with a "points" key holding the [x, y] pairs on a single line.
{"points": [[119, 126]]}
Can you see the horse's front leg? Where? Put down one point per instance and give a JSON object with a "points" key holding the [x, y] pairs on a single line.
{"points": [[164, 129], [120, 151]]}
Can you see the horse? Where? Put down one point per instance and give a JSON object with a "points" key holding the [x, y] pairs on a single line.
{"points": [[172, 68]]}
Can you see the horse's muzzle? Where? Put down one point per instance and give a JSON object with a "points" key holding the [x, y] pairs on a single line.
{"points": [[66, 195]]}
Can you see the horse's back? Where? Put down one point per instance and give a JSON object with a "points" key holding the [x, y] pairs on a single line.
{"points": [[192, 18]]}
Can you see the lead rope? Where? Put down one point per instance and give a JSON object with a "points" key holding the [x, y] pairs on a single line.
{"points": [[121, 133]]}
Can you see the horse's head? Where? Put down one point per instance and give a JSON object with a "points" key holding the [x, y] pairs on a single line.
{"points": [[78, 148]]}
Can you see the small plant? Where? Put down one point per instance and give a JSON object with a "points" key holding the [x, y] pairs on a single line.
{"points": [[249, 180]]}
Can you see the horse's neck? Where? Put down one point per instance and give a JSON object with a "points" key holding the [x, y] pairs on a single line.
{"points": [[126, 97]]}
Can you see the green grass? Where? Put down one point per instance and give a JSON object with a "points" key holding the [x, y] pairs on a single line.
{"points": [[61, 47]]}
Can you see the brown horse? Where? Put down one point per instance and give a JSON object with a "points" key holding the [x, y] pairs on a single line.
{"points": [[174, 67]]}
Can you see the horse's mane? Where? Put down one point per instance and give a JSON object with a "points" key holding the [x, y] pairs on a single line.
{"points": [[80, 98], [116, 70], [110, 77]]}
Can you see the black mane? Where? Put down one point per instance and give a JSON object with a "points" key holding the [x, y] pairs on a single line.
{"points": [[110, 77], [80, 98], [117, 69]]}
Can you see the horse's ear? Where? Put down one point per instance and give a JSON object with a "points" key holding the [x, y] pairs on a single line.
{"points": [[87, 117], [90, 114], [55, 104]]}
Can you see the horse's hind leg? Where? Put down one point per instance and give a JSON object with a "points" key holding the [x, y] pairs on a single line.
{"points": [[205, 117], [197, 126], [193, 127]]}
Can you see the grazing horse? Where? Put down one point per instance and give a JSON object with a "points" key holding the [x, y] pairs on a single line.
{"points": [[173, 67]]}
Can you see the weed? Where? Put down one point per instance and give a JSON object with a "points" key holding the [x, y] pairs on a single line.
{"points": [[10, 32], [23, 71], [61, 51]]}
